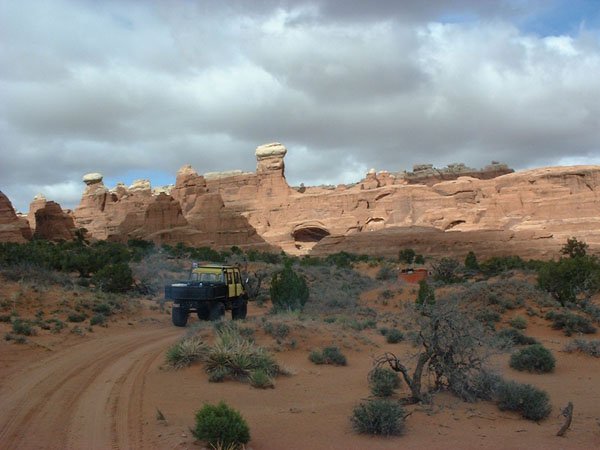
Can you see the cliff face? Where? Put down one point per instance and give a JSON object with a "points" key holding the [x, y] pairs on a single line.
{"points": [[529, 213], [12, 228]]}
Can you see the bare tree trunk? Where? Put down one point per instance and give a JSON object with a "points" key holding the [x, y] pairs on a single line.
{"points": [[567, 412]]}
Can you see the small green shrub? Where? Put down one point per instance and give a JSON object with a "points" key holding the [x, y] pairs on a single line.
{"points": [[260, 379], [380, 417], [489, 318], [530, 402], [383, 381], [471, 262], [329, 355], [385, 273], [392, 335], [518, 322], [102, 308], [277, 330], [98, 319], [76, 317], [407, 255], [591, 348], [185, 352], [534, 358], [289, 291], [426, 294], [221, 426], [513, 336], [570, 323], [114, 278], [23, 328]]}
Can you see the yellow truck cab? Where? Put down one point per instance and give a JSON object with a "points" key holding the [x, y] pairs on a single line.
{"points": [[209, 291]]}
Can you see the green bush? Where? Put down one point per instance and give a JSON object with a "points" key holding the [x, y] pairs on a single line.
{"points": [[114, 278], [426, 294], [566, 278], [591, 348], [570, 323], [445, 270], [76, 317], [234, 356], [392, 335], [534, 358], [329, 355], [260, 379], [98, 319], [289, 291], [530, 402], [23, 327], [380, 417], [515, 337], [383, 381], [185, 352], [471, 262], [221, 426], [518, 322], [406, 255]]}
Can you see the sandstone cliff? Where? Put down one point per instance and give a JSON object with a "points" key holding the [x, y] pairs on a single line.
{"points": [[530, 213], [12, 228]]}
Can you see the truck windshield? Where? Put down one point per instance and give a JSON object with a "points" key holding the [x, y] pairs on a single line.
{"points": [[208, 277]]}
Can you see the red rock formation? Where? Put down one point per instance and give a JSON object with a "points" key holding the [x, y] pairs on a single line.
{"points": [[528, 213], [12, 228], [52, 223]]}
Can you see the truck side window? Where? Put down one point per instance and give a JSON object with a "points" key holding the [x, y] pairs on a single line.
{"points": [[228, 277], [236, 277]]}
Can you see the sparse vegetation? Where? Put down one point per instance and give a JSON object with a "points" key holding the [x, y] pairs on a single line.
{"points": [[512, 336], [518, 322], [380, 417], [221, 426], [534, 358], [570, 323], [329, 355], [445, 270], [23, 327], [383, 381], [530, 402], [185, 352], [591, 348], [392, 335]]}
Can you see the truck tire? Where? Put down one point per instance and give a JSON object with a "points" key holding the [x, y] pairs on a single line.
{"points": [[179, 316], [240, 312], [217, 311], [203, 312]]}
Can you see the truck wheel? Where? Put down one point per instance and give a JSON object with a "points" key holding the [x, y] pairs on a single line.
{"points": [[240, 312], [217, 311], [179, 316], [203, 312]]}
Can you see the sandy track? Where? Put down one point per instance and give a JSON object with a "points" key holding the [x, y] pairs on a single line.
{"points": [[86, 396]]}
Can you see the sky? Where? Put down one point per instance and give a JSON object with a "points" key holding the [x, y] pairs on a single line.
{"points": [[138, 88]]}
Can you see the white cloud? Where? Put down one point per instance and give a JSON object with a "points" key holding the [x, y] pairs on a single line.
{"points": [[122, 87]]}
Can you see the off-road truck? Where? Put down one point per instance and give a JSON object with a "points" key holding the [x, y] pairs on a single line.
{"points": [[210, 290]]}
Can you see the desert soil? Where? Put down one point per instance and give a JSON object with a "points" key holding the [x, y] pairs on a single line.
{"points": [[103, 391]]}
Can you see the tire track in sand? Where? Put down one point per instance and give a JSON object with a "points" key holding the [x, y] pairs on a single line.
{"points": [[77, 397]]}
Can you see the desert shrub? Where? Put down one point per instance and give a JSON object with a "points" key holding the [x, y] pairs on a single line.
{"points": [[570, 323], [530, 402], [185, 352], [488, 317], [512, 336], [591, 348], [98, 319], [234, 356], [566, 278], [383, 381], [289, 290], [426, 294], [76, 317], [260, 379], [518, 322], [471, 262], [114, 278], [574, 248], [102, 308], [445, 270], [498, 264], [23, 327], [387, 294], [221, 426], [329, 355], [419, 259], [277, 330], [385, 273], [378, 417], [483, 385], [406, 255], [392, 335], [534, 358]]}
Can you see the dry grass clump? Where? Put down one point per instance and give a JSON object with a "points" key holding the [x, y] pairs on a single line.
{"points": [[185, 352]]}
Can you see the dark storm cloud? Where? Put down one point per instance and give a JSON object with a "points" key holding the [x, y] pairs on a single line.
{"points": [[125, 87]]}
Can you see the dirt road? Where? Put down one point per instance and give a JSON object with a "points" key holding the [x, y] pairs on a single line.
{"points": [[89, 395]]}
